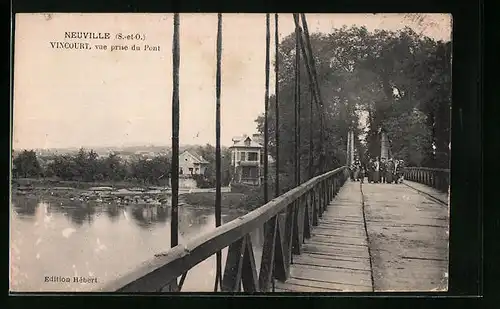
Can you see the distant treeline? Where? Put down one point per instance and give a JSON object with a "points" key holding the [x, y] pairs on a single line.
{"points": [[87, 166]]}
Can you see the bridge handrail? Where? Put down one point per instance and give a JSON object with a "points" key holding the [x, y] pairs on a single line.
{"points": [[437, 178], [165, 268], [428, 169]]}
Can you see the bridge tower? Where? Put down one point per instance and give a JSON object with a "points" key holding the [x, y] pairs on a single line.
{"points": [[353, 149], [350, 147], [384, 145]]}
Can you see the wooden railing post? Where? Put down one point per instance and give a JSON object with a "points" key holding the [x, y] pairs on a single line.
{"points": [[325, 185], [240, 267], [307, 216], [289, 223], [298, 232], [272, 255], [314, 206], [330, 190], [231, 281], [319, 201]]}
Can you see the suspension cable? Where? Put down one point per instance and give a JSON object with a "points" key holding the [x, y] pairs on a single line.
{"points": [[311, 136], [299, 35], [266, 103], [276, 107], [307, 61], [218, 279], [297, 102], [174, 239], [315, 75], [314, 94], [276, 130]]}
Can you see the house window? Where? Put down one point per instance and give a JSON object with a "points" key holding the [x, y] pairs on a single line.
{"points": [[180, 171], [196, 170], [191, 170], [242, 156], [253, 156]]}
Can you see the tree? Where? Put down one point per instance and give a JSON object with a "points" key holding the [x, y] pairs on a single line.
{"points": [[112, 168], [151, 170], [208, 153], [63, 167], [399, 79], [26, 165]]}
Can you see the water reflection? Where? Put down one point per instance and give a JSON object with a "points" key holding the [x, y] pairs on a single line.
{"points": [[72, 238], [79, 214], [146, 216], [25, 207], [113, 212]]}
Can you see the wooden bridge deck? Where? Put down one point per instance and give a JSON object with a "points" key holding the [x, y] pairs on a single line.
{"points": [[375, 237]]}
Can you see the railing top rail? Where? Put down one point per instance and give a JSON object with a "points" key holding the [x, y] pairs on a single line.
{"points": [[428, 169], [165, 267]]}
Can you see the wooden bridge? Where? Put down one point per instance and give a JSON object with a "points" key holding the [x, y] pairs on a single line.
{"points": [[329, 234]]}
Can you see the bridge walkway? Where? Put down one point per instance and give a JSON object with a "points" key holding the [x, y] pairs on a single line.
{"points": [[376, 237]]}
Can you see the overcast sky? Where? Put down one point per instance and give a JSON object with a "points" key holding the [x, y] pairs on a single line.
{"points": [[72, 98]]}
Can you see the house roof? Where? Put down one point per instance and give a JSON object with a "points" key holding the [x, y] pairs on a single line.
{"points": [[199, 158], [242, 143]]}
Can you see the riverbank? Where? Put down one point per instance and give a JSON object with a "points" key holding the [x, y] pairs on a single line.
{"points": [[53, 182], [126, 193], [229, 200]]}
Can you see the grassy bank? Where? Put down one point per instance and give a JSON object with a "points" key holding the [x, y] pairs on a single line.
{"points": [[229, 200]]}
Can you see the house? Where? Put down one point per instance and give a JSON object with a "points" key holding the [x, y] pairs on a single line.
{"points": [[192, 163], [145, 154], [247, 153]]}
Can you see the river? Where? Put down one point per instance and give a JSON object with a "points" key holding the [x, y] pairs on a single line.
{"points": [[100, 241]]}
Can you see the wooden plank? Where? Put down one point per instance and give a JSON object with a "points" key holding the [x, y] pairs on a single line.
{"points": [[342, 224], [339, 234], [332, 262], [331, 286], [331, 248], [331, 275], [299, 285], [354, 241], [339, 231], [282, 290], [358, 219]]}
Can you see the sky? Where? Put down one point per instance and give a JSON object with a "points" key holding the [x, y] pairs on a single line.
{"points": [[91, 98]]}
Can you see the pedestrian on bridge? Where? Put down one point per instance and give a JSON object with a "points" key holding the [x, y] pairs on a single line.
{"points": [[383, 170], [376, 171], [390, 171], [351, 172], [362, 172], [399, 171], [357, 173], [370, 169]]}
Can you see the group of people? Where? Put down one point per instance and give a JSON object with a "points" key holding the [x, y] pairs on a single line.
{"points": [[378, 171]]}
